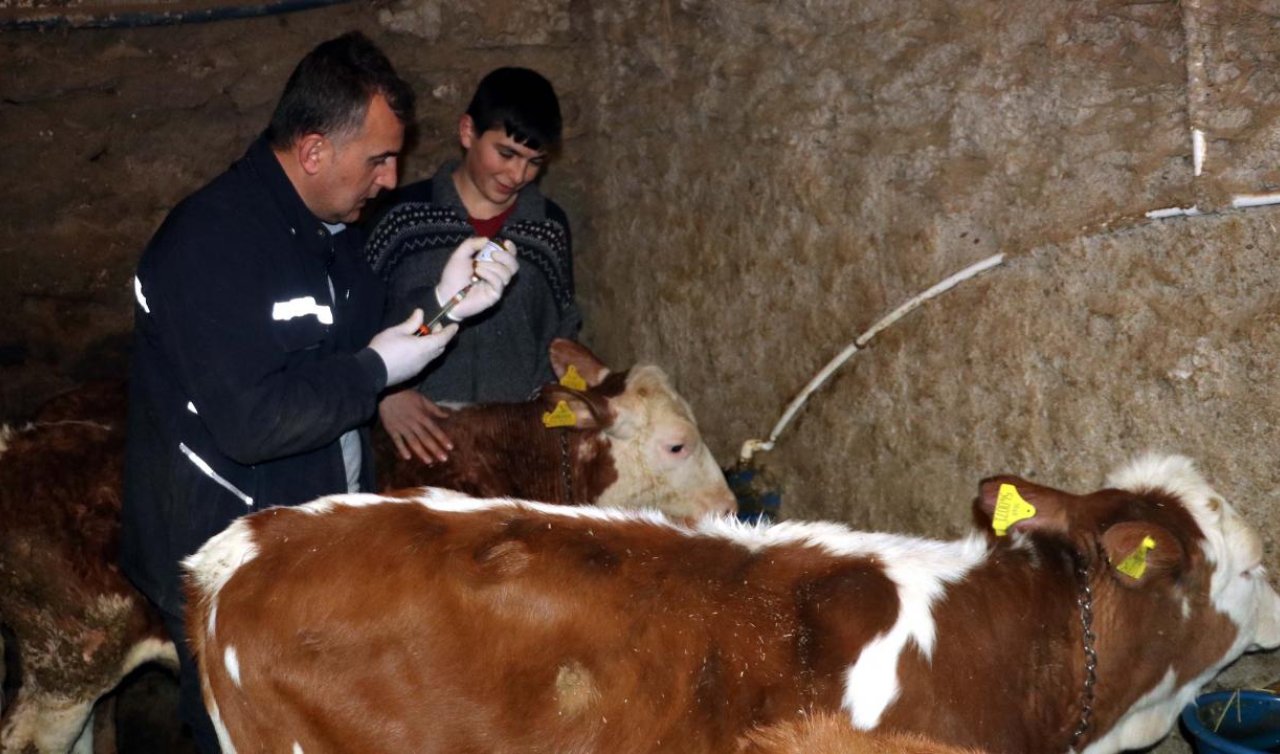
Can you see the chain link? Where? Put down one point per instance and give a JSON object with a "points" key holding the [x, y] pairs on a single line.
{"points": [[1085, 601], [566, 476]]}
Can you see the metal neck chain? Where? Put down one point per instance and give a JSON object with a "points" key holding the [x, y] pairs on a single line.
{"points": [[566, 473], [1085, 601]]}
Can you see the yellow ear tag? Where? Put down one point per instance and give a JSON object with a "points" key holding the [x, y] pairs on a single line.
{"points": [[1135, 564], [562, 416], [573, 380], [1010, 509]]}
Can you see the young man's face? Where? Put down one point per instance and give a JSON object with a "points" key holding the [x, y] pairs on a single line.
{"points": [[361, 165], [496, 166]]}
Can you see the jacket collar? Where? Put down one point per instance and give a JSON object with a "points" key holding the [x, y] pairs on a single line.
{"points": [[303, 225]]}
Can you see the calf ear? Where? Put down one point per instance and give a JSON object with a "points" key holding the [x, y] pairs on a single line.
{"points": [[568, 353], [589, 411], [1139, 551], [1008, 503]]}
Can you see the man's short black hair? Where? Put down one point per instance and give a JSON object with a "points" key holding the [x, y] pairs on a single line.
{"points": [[330, 90], [523, 102]]}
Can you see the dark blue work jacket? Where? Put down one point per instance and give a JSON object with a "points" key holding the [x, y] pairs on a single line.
{"points": [[246, 368]]}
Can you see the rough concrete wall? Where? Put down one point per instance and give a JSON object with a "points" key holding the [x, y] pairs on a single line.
{"points": [[103, 130], [773, 178]]}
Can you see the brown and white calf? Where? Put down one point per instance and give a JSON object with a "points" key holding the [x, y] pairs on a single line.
{"points": [[633, 443], [78, 626], [444, 623]]}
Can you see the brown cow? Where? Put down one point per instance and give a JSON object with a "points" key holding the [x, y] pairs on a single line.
{"points": [[78, 625], [634, 443], [446, 623]]}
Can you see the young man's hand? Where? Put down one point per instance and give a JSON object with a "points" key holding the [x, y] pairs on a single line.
{"points": [[410, 419], [492, 275]]}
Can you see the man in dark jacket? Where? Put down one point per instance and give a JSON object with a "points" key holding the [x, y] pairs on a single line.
{"points": [[257, 361]]}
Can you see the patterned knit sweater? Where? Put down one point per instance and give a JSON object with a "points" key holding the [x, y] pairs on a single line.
{"points": [[501, 354]]}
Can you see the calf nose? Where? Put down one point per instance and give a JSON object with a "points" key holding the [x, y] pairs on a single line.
{"points": [[721, 503]]}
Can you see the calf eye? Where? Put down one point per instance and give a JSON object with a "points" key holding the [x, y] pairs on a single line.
{"points": [[674, 449]]}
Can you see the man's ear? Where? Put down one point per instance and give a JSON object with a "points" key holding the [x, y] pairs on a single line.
{"points": [[467, 131], [311, 151]]}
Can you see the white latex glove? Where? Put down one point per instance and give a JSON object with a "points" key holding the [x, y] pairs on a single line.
{"points": [[491, 272], [405, 353]]}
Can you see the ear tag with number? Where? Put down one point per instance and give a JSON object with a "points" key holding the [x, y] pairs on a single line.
{"points": [[572, 379], [561, 416], [1135, 564], [1010, 509]]}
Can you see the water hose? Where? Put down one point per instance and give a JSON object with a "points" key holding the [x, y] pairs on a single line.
{"points": [[757, 496], [140, 13]]}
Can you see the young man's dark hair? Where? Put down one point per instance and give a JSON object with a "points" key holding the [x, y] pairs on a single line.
{"points": [[329, 91], [521, 101]]}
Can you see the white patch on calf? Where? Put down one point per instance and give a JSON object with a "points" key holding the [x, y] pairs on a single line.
{"points": [[449, 501], [217, 561], [352, 500], [1147, 721], [84, 744], [297, 748], [53, 724], [150, 649], [232, 661], [919, 568], [921, 573], [434, 498], [871, 684], [219, 727], [1267, 633]]}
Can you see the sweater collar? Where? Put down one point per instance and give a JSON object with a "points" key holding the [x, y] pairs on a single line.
{"points": [[530, 203]]}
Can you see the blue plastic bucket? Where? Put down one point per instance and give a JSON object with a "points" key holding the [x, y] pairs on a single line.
{"points": [[1234, 722], [758, 500]]}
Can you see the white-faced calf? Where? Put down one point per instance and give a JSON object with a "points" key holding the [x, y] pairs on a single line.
{"points": [[617, 439]]}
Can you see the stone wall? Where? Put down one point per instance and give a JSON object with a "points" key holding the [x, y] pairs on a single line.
{"points": [[752, 185], [103, 130]]}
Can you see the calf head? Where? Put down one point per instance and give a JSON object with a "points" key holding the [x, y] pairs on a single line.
{"points": [[658, 453], [1177, 581]]}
